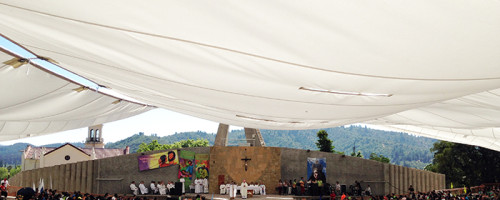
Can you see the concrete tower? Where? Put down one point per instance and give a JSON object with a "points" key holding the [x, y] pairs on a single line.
{"points": [[253, 136], [94, 138]]}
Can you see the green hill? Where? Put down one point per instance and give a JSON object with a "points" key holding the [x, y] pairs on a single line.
{"points": [[403, 149]]}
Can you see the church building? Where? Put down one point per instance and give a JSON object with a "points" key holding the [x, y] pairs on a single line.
{"points": [[39, 157]]}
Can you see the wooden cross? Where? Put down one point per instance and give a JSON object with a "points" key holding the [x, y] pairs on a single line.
{"points": [[246, 159]]}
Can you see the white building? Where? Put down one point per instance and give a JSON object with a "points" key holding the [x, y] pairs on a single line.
{"points": [[38, 157]]}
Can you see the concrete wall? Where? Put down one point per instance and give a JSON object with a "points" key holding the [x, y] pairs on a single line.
{"points": [[345, 169], [111, 175], [382, 178], [268, 164], [29, 164]]}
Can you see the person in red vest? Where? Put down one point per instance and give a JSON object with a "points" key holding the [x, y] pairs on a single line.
{"points": [[332, 195], [3, 190]]}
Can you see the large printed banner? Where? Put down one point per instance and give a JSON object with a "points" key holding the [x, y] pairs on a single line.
{"points": [[157, 160], [186, 165], [202, 167], [316, 169]]}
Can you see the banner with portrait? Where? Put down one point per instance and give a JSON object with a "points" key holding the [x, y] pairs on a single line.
{"points": [[157, 160], [316, 169], [202, 165], [186, 167]]}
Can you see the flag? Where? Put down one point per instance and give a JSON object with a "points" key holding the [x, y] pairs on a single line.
{"points": [[40, 186]]}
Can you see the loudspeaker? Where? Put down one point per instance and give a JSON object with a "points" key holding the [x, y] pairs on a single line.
{"points": [[177, 189], [343, 189]]}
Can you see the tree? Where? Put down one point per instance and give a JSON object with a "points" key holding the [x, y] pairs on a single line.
{"points": [[465, 165], [324, 144], [154, 145], [359, 154], [15, 170], [3, 172], [380, 158]]}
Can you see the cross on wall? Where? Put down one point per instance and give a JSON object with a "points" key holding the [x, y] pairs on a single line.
{"points": [[246, 160]]}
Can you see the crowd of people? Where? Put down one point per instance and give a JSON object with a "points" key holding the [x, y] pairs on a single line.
{"points": [[154, 188], [199, 186], [316, 187], [231, 189], [486, 193]]}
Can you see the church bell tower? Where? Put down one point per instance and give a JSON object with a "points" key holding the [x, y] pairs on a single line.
{"points": [[94, 138]]}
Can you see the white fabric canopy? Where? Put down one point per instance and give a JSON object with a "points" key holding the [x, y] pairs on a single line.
{"points": [[35, 102], [429, 67]]}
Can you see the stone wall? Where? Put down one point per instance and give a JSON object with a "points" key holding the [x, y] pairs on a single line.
{"points": [[264, 165]]}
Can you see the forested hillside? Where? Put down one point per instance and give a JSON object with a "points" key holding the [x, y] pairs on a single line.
{"points": [[401, 148]]}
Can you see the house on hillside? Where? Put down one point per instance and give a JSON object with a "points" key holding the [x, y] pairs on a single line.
{"points": [[38, 157]]}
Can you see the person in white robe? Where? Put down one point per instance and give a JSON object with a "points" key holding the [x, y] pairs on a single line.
{"points": [[134, 188], [198, 187], [235, 189], [232, 190], [182, 180], [205, 185], [192, 187], [154, 189], [255, 187], [143, 188], [222, 188], [162, 189], [262, 189], [170, 186], [228, 188], [244, 189]]}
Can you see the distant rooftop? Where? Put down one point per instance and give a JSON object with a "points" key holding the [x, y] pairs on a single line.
{"points": [[32, 152]]}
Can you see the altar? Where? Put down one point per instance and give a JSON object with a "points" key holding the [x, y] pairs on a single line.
{"points": [[250, 189]]}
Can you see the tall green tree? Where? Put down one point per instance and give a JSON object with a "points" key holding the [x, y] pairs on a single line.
{"points": [[380, 158], [465, 165], [324, 144]]}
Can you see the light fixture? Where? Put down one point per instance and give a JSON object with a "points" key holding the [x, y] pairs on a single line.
{"points": [[16, 62], [345, 93], [253, 118]]}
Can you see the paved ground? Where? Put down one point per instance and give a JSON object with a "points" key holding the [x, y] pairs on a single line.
{"points": [[255, 197]]}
